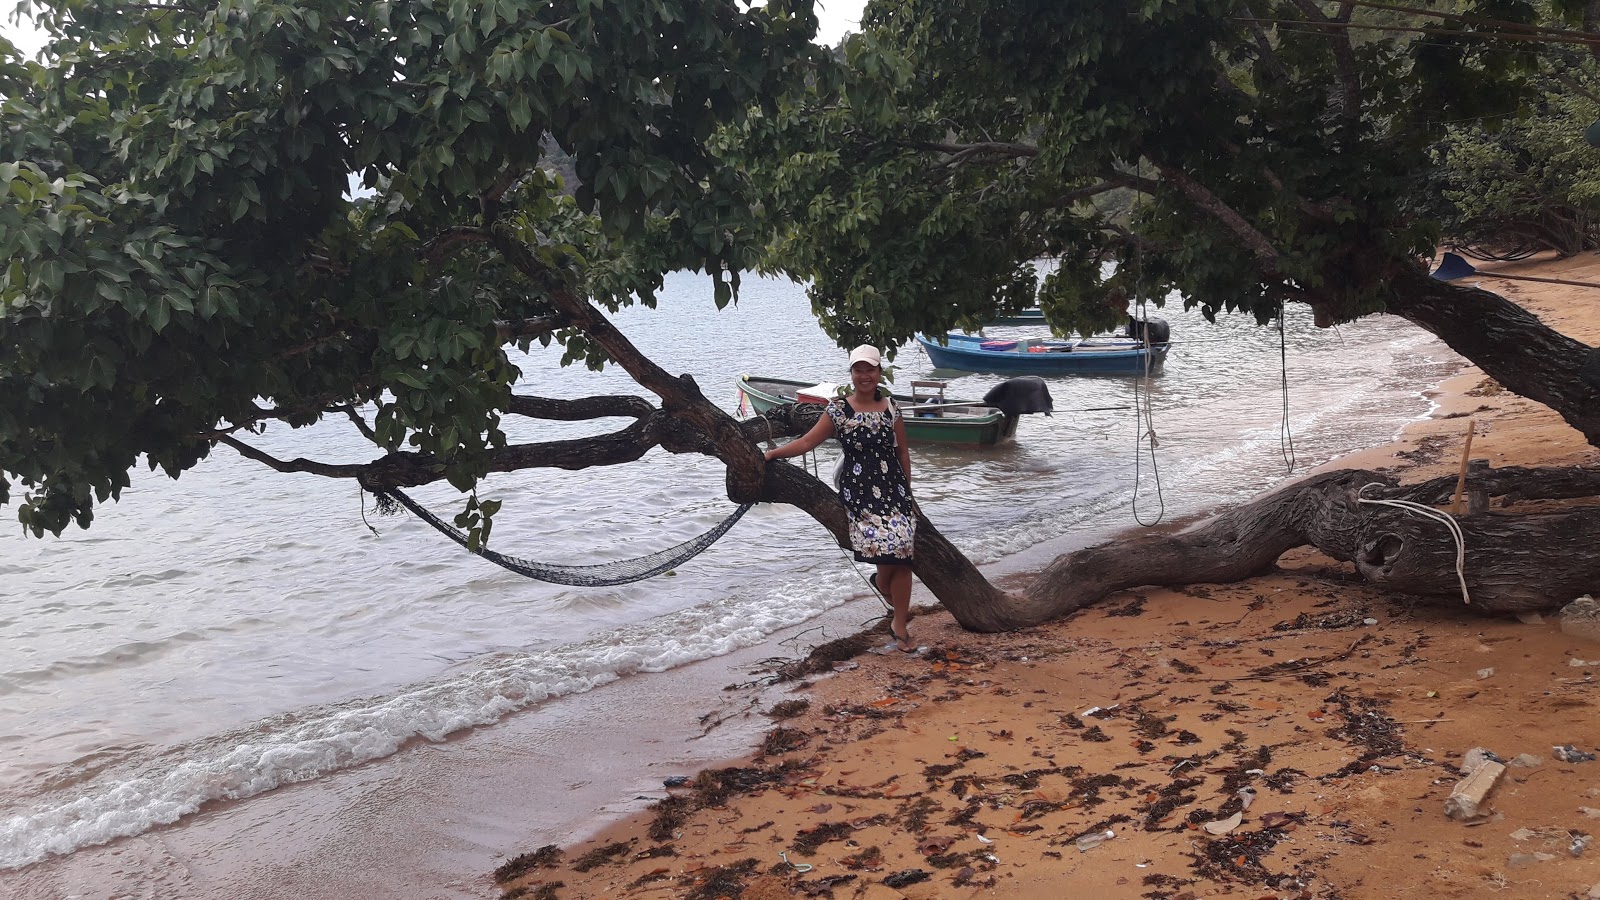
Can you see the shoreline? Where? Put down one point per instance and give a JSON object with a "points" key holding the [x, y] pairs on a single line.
{"points": [[979, 767]]}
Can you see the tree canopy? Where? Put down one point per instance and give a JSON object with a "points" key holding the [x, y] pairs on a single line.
{"points": [[1277, 151], [1529, 182], [186, 259]]}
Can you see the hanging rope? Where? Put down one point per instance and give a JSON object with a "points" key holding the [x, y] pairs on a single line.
{"points": [[603, 575], [1143, 413], [1285, 435], [1436, 515]]}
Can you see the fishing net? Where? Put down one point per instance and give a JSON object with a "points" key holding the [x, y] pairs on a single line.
{"points": [[609, 574]]}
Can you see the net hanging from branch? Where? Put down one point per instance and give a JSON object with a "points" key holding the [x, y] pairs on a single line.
{"points": [[610, 574]]}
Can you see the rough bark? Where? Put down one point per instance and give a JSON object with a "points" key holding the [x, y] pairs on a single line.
{"points": [[1509, 343], [1520, 562]]}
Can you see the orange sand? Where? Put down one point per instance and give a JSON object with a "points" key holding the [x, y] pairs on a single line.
{"points": [[976, 767]]}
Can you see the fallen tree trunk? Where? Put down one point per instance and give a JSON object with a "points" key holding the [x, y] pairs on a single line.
{"points": [[1514, 563]]}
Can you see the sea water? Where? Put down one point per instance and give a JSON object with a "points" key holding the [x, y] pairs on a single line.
{"points": [[214, 640]]}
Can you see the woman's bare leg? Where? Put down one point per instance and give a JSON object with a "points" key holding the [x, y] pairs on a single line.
{"points": [[896, 584]]}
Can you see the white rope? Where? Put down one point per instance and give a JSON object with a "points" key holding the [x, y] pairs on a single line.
{"points": [[1436, 515]]}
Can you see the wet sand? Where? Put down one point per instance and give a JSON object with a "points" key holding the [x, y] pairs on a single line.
{"points": [[1341, 716]]}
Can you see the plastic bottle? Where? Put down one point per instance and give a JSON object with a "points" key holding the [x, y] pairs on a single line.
{"points": [[1090, 841]]}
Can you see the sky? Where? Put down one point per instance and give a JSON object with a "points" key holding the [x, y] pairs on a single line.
{"points": [[834, 18]]}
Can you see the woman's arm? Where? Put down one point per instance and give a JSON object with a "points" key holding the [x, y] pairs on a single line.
{"points": [[806, 442]]}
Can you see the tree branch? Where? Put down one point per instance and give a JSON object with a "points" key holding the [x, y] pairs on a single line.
{"points": [[1344, 55], [360, 423], [1084, 193], [1267, 53], [446, 241], [508, 331], [1200, 196], [621, 406], [489, 202], [681, 397], [300, 464], [960, 153]]}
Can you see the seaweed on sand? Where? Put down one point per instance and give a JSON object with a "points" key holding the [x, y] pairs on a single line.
{"points": [[807, 842], [600, 856], [543, 858], [719, 881]]}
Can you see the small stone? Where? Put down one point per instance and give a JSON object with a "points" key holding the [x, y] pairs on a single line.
{"points": [[1590, 811], [1577, 663], [1476, 757], [1522, 834], [1485, 673], [1571, 754], [1369, 621], [1520, 861], [1526, 761], [1581, 617], [1580, 843]]}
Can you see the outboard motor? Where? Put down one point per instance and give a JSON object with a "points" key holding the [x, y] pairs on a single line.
{"points": [[1020, 396], [1153, 330]]}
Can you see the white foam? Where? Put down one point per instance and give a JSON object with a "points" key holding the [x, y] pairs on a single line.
{"points": [[319, 741]]}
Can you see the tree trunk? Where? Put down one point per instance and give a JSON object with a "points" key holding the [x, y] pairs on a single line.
{"points": [[975, 603], [1514, 563], [1510, 344]]}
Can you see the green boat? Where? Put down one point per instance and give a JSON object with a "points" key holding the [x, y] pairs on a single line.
{"points": [[929, 417]]}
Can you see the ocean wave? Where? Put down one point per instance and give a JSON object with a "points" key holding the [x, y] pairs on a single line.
{"points": [[314, 743]]}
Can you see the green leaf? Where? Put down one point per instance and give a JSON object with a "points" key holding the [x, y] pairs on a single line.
{"points": [[566, 66]]}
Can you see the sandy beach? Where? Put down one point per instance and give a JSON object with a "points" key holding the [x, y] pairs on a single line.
{"points": [[1294, 735]]}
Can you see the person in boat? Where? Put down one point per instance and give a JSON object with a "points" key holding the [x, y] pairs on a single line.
{"points": [[875, 482]]}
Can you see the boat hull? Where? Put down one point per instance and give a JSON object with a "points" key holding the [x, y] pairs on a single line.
{"points": [[977, 426], [964, 353]]}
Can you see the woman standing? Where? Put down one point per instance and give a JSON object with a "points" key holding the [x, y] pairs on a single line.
{"points": [[876, 482]]}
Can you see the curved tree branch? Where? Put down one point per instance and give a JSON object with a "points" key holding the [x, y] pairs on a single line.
{"points": [[507, 331], [449, 239], [653, 428], [601, 407], [299, 464], [1202, 197], [681, 397]]}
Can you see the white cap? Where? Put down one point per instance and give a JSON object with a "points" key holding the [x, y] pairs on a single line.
{"points": [[866, 353]]}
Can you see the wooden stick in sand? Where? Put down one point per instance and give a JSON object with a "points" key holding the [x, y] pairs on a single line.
{"points": [[1461, 479]]}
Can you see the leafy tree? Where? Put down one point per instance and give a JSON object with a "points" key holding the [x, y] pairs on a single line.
{"points": [[1279, 151], [185, 265], [185, 262], [1529, 184]]}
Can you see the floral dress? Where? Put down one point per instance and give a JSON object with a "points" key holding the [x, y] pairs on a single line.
{"points": [[883, 523]]}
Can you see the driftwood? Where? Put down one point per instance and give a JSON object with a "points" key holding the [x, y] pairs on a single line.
{"points": [[1514, 562], [1529, 561]]}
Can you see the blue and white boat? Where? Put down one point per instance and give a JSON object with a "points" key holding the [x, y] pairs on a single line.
{"points": [[1030, 316], [1051, 356]]}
